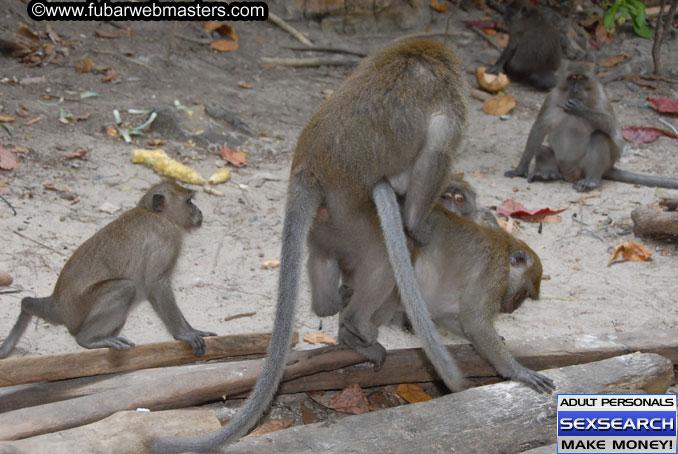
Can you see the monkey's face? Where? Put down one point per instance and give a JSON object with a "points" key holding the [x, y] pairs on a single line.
{"points": [[524, 279], [194, 215], [458, 200]]}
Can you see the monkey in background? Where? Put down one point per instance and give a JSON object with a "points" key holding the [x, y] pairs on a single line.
{"points": [[394, 126], [129, 260], [533, 52], [583, 135]]}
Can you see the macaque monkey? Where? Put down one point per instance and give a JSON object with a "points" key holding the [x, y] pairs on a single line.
{"points": [[129, 260], [584, 137], [468, 273], [324, 270], [394, 126], [464, 285], [533, 52]]}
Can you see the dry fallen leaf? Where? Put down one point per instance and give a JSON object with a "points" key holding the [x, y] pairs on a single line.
{"points": [[645, 134], [499, 105], [7, 160], [308, 416], [85, 66], [412, 393], [6, 119], [602, 35], [440, 7], [223, 45], [664, 105], [32, 121], [243, 84], [631, 251], [612, 61], [351, 400], [512, 208], [237, 158], [270, 264], [108, 207], [319, 338], [77, 154], [107, 35], [273, 425], [383, 399]]}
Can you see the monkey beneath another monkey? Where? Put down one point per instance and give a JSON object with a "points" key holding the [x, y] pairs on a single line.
{"points": [[394, 126], [533, 52], [129, 260], [584, 137], [468, 273]]}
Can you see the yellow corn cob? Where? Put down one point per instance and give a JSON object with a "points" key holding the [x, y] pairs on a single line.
{"points": [[161, 163], [220, 176]]}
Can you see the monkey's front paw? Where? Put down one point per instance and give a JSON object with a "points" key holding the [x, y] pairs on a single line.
{"points": [[118, 343], [517, 172], [535, 380], [574, 107], [195, 340], [585, 185]]}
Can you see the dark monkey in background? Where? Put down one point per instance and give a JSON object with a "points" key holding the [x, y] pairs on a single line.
{"points": [[393, 126], [130, 259]]}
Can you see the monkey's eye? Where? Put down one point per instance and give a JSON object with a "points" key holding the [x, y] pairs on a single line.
{"points": [[459, 198], [446, 195]]}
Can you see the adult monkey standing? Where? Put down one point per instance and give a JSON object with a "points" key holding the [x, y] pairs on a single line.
{"points": [[395, 124]]}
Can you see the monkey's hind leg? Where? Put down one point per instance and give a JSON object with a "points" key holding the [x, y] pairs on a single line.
{"points": [[429, 174], [111, 302], [546, 165], [41, 307], [595, 163], [542, 81]]}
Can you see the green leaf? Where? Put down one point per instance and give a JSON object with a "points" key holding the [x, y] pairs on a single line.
{"points": [[610, 16], [644, 32]]}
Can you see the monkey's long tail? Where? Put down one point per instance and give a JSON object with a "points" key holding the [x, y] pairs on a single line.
{"points": [[616, 174], [14, 335], [303, 200], [399, 256]]}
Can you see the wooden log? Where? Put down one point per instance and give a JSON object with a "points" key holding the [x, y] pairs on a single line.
{"points": [[506, 417], [33, 369], [181, 389], [124, 432], [650, 223], [401, 366]]}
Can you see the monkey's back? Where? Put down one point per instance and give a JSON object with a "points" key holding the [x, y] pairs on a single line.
{"points": [[539, 48], [127, 248], [378, 118]]}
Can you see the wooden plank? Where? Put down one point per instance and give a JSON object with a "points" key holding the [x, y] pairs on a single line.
{"points": [[502, 418], [181, 388], [33, 369], [650, 223], [401, 366], [124, 432]]}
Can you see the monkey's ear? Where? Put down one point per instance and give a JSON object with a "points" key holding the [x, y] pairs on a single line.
{"points": [[159, 202], [518, 258]]}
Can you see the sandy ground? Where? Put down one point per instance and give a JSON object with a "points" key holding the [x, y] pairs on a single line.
{"points": [[219, 274]]}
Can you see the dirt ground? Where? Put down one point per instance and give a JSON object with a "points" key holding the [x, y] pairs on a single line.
{"points": [[219, 274]]}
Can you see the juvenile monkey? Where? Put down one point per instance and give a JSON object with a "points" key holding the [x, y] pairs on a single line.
{"points": [[468, 273], [393, 126], [324, 270], [129, 260], [584, 137], [533, 52]]}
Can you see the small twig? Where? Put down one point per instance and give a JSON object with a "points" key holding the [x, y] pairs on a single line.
{"points": [[333, 50], [288, 28], [39, 243], [430, 34], [673, 128], [8, 204], [306, 62], [487, 38], [123, 57], [236, 316], [449, 19], [193, 40]]}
